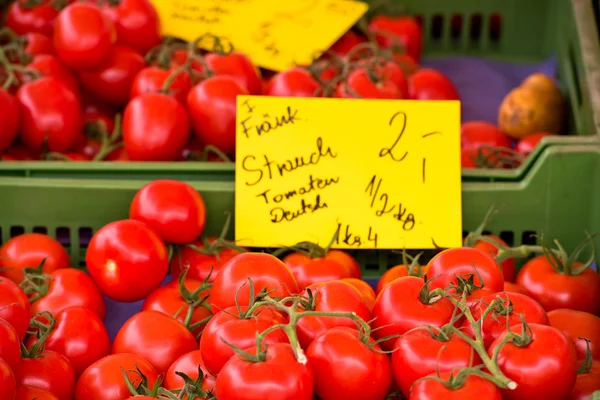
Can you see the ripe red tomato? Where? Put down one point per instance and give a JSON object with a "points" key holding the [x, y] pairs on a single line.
{"points": [[49, 371], [104, 378], [127, 260], [8, 384], [529, 143], [347, 260], [65, 288], [10, 350], [112, 79], [35, 43], [152, 79], [22, 19], [396, 272], [575, 325], [332, 296], [265, 272], [189, 364], [588, 381], [474, 134], [549, 360], [201, 265], [388, 70], [475, 267], [176, 301], [513, 288], [555, 290], [347, 42], [429, 84], [365, 290], [239, 330], [403, 305], [156, 127], [470, 387], [173, 209], [400, 31], [211, 105], [360, 83], [279, 376], [156, 337], [27, 251], [50, 65], [31, 393], [136, 22], [308, 271], [237, 66], [14, 306], [294, 82], [9, 115], [508, 266], [49, 111], [18, 152], [346, 368]]}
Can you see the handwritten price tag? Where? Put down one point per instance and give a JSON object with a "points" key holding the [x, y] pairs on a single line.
{"points": [[382, 174], [275, 34]]}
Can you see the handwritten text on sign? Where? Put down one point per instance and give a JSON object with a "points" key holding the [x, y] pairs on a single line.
{"points": [[383, 174], [275, 34]]}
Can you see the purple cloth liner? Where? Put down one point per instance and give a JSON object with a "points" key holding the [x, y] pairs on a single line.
{"points": [[482, 85]]}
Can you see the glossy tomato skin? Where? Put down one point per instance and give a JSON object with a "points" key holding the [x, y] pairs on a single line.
{"points": [[529, 143], [160, 346], [418, 353], [30, 393], [10, 350], [365, 290], [359, 82], [398, 309], [265, 271], [103, 380], [212, 105], [50, 65], [51, 372], [173, 209], [473, 388], [554, 290], [294, 82], [429, 84], [136, 23], [188, 364], [239, 67], [508, 265], [497, 321], [8, 384], [240, 332], [544, 369], [49, 109], [514, 288], [83, 36], [127, 260], [345, 368], [575, 325], [200, 266], [152, 79], [474, 134], [308, 271], [70, 287], [347, 42], [38, 43], [280, 377], [156, 127], [392, 274], [14, 306], [23, 20], [111, 80], [402, 31], [10, 117], [346, 260], [587, 383]]}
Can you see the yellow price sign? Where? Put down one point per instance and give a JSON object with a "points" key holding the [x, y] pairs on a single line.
{"points": [[383, 174], [275, 34]]}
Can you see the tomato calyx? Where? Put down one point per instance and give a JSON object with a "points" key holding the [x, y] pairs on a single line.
{"points": [[192, 389], [41, 325], [414, 268], [142, 388], [563, 263], [426, 295], [457, 379], [35, 283], [586, 365], [194, 299], [14, 72], [108, 142], [496, 157], [309, 249], [214, 248]]}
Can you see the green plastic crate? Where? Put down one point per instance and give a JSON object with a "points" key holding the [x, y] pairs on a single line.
{"points": [[547, 200], [530, 31]]}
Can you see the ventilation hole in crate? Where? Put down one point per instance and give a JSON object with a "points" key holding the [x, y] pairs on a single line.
{"points": [[16, 231], [456, 25], [495, 30], [486, 233], [437, 27], [419, 19], [85, 235], [529, 238], [475, 28], [465, 234], [0, 235], [508, 237], [40, 229], [63, 235]]}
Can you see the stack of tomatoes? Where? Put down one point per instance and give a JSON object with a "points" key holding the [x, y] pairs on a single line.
{"points": [[234, 325]]}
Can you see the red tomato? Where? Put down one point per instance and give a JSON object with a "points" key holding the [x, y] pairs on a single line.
{"points": [[470, 387], [513, 288], [201, 265], [156, 337], [188, 364], [152, 79], [403, 305], [360, 83], [388, 70], [10, 350], [561, 290], [127, 259], [397, 272], [83, 36], [9, 115], [468, 158], [474, 134], [8, 384], [49, 371], [549, 360], [211, 105], [37, 43], [429, 84], [507, 314], [575, 325], [401, 31], [65, 288], [508, 265], [294, 82], [529, 143], [104, 378], [27, 251], [406, 62], [111, 80], [346, 43], [14, 306], [365, 290], [50, 65], [22, 19], [587, 382], [237, 66], [31, 393], [49, 110], [347, 260], [79, 335], [265, 271], [279, 376], [475, 267], [173, 209], [308, 271], [176, 300], [419, 353], [332, 296], [156, 127], [136, 22], [239, 330]]}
